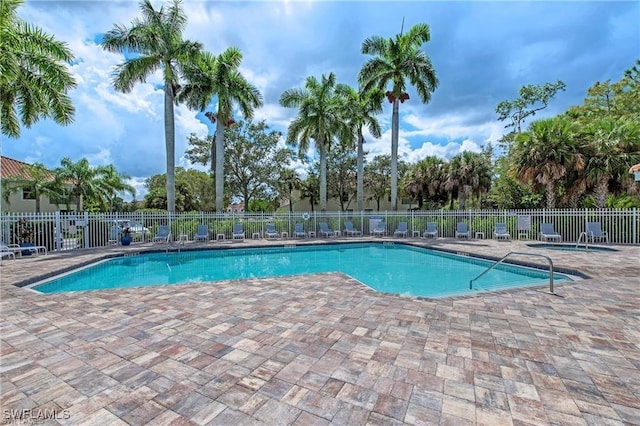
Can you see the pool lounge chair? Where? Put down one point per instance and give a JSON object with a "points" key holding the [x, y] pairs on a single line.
{"points": [[432, 230], [594, 231], [325, 231], [238, 232], [500, 231], [23, 250], [547, 233], [401, 231], [380, 229], [9, 250], [202, 233], [163, 235], [299, 231], [271, 231], [462, 230], [350, 230]]}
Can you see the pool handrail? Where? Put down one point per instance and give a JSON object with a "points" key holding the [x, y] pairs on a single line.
{"points": [[522, 254]]}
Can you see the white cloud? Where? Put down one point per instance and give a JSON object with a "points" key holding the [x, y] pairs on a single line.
{"points": [[284, 42]]}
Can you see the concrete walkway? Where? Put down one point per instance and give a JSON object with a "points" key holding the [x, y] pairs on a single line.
{"points": [[322, 349]]}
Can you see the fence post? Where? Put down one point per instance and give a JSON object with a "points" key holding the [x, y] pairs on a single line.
{"points": [[58, 232], [85, 231], [636, 239]]}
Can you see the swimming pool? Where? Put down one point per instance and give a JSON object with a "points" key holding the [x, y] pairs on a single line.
{"points": [[389, 268], [571, 247]]}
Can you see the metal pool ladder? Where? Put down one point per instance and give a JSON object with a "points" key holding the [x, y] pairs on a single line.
{"points": [[586, 240], [522, 254]]}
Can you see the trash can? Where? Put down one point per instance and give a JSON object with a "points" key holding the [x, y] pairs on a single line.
{"points": [[373, 223]]}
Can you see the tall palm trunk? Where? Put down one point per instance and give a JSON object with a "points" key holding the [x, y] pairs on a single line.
{"points": [[551, 195], [601, 191], [360, 165], [395, 126], [323, 176], [219, 142], [170, 142]]}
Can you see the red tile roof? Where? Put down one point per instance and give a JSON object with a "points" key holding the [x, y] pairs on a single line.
{"points": [[14, 168]]}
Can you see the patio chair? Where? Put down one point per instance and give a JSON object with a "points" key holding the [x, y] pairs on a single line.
{"points": [[432, 230], [271, 231], [380, 229], [9, 250], [325, 230], [202, 233], [547, 233], [24, 249], [401, 230], [299, 231], [462, 230], [500, 231], [238, 232], [350, 230], [163, 235], [594, 231]]}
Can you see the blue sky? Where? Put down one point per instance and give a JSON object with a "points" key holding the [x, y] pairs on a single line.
{"points": [[483, 52]]}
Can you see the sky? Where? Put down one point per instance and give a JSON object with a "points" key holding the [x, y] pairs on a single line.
{"points": [[483, 53]]}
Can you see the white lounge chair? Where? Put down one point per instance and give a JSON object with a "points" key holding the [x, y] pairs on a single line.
{"points": [[500, 231], [402, 230], [380, 229], [238, 232], [299, 231], [202, 233], [594, 231], [9, 250], [547, 232], [432, 230], [20, 250], [350, 230], [271, 231], [462, 230], [163, 235]]}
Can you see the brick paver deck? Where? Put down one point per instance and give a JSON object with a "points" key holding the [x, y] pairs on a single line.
{"points": [[323, 349]]}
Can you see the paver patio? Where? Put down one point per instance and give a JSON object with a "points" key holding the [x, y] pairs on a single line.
{"points": [[323, 349]]}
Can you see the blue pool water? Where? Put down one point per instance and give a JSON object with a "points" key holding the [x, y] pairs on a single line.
{"points": [[571, 247], [396, 268]]}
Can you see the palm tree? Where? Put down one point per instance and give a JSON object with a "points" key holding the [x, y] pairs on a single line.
{"points": [[219, 76], [155, 42], [34, 79], [112, 183], [613, 146], [37, 181], [289, 180], [546, 153], [82, 179], [424, 179], [319, 118], [309, 188], [472, 173], [360, 110], [396, 61]]}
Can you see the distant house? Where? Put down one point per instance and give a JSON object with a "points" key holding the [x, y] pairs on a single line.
{"points": [[23, 200], [236, 208], [333, 204]]}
